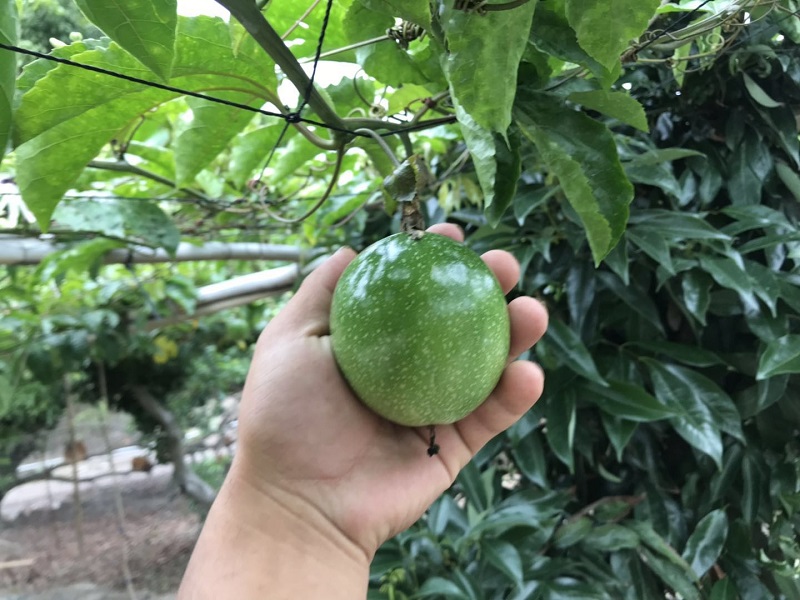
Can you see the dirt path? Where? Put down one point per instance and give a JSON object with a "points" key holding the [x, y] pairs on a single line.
{"points": [[46, 563]]}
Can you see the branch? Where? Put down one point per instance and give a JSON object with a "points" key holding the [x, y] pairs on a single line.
{"points": [[237, 292], [248, 14], [188, 481], [16, 250], [125, 167]]}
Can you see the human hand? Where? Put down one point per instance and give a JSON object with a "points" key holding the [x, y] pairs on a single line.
{"points": [[308, 444]]}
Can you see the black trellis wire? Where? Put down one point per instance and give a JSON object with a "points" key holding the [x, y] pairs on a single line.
{"points": [[295, 116]]}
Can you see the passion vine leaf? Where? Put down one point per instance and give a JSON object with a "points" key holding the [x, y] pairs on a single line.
{"points": [[605, 29], [69, 114], [497, 165], [211, 129], [138, 221], [617, 105], [416, 11], [9, 26], [385, 60], [582, 153], [145, 29], [552, 35], [482, 58]]}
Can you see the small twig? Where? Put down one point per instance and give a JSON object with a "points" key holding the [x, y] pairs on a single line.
{"points": [[125, 167], [76, 488], [300, 20], [355, 46], [331, 185], [382, 143]]}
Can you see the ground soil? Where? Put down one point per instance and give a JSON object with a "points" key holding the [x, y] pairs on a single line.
{"points": [[160, 530]]}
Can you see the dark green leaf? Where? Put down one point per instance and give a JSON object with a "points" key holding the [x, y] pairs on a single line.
{"points": [[652, 244], [779, 357], [145, 29], [573, 353], [505, 557], [560, 428], [656, 175], [748, 170], [140, 221], [529, 457], [789, 178], [706, 542], [724, 589], [664, 155], [672, 577], [9, 31], [696, 287], [757, 93], [683, 393], [617, 105], [436, 586], [628, 401], [572, 531], [611, 537], [470, 480], [582, 154], [689, 355], [638, 301], [731, 274], [619, 431], [385, 61], [673, 225]]}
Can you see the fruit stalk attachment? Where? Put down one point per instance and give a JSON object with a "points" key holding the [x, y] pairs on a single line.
{"points": [[404, 187]]}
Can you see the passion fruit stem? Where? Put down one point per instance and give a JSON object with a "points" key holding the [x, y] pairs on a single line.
{"points": [[433, 447]]}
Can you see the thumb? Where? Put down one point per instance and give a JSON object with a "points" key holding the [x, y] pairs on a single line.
{"points": [[308, 312]]}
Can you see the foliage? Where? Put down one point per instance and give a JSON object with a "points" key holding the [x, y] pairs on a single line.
{"points": [[646, 181]]}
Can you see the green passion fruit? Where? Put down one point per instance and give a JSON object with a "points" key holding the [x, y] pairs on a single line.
{"points": [[420, 329]]}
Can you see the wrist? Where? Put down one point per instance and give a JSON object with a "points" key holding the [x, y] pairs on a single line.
{"points": [[263, 542]]}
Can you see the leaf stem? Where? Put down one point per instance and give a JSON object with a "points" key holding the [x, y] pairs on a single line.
{"points": [[259, 28], [355, 46], [382, 143], [125, 167], [334, 179]]}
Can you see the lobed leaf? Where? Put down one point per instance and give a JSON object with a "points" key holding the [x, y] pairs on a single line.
{"points": [[68, 115], [606, 29], [9, 32], [145, 29], [617, 105], [481, 66]]}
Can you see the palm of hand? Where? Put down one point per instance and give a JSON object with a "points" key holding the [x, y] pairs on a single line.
{"points": [[303, 431]]}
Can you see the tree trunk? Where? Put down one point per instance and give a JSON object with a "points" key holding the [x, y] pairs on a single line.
{"points": [[188, 481]]}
